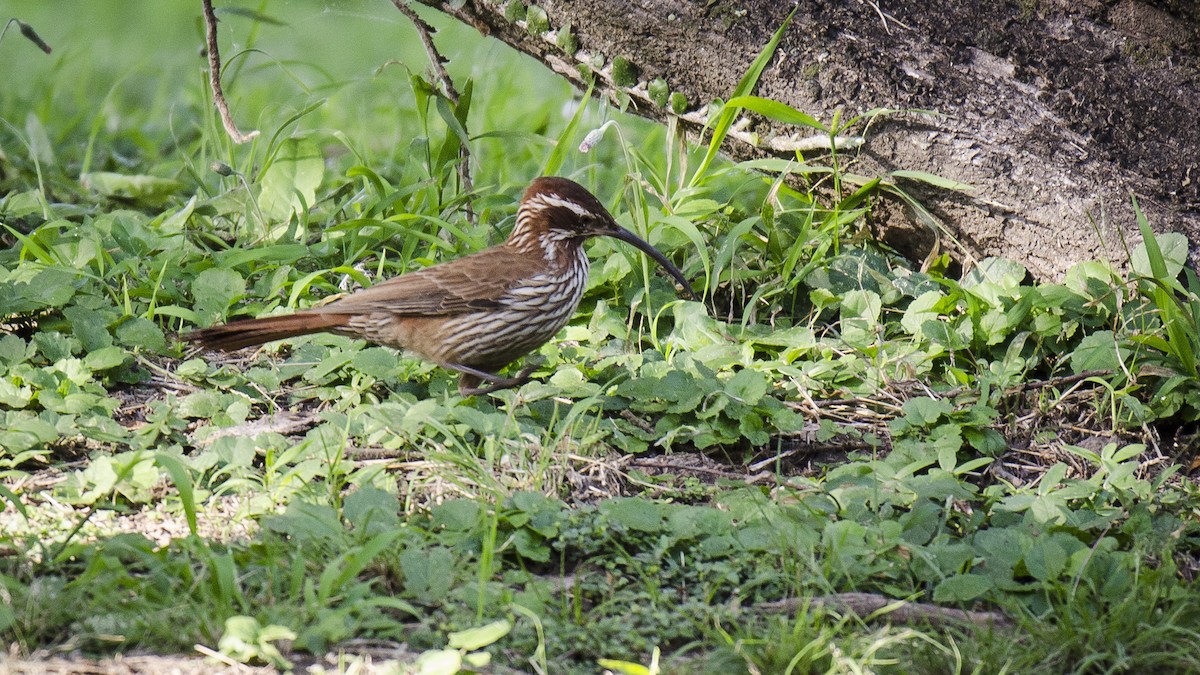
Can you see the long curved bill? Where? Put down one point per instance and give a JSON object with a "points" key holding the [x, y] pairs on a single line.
{"points": [[617, 232]]}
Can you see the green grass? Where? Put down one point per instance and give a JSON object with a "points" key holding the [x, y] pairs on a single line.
{"points": [[990, 442]]}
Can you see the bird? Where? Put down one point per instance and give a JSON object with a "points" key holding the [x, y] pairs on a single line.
{"points": [[475, 314]]}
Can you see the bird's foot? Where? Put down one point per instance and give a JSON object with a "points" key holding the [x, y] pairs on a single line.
{"points": [[468, 382]]}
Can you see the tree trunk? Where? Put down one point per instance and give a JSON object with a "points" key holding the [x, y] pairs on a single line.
{"points": [[1055, 111]]}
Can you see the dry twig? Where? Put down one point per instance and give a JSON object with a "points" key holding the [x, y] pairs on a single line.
{"points": [[214, 77], [439, 69], [865, 604]]}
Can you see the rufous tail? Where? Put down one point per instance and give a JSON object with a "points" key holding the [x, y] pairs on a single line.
{"points": [[238, 334]]}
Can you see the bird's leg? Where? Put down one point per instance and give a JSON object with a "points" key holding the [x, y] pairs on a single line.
{"points": [[468, 382]]}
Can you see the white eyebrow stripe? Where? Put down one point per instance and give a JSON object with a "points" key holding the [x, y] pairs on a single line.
{"points": [[555, 200]]}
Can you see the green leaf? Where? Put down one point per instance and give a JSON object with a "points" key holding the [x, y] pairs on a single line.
{"points": [[91, 327], [246, 640], [13, 349], [951, 335], [920, 310], [259, 255], [478, 638], [479, 660], [40, 147], [694, 328], [377, 362], [658, 91], [994, 327], [634, 513], [55, 346], [1002, 272], [51, 287], [14, 395], [747, 386], [455, 118], [1150, 257], [183, 484], [531, 545], [428, 574], [105, 358], [932, 179], [456, 514], [1098, 351], [562, 145], [132, 475], [744, 87], [215, 289], [780, 112], [142, 334], [148, 190], [962, 588], [860, 314], [175, 222], [10, 497], [1046, 559], [624, 667], [923, 411], [343, 570], [439, 662], [946, 440], [987, 441], [544, 514], [202, 404], [22, 430], [290, 183], [699, 242], [372, 510]]}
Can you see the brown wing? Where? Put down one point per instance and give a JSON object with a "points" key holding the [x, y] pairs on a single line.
{"points": [[475, 282]]}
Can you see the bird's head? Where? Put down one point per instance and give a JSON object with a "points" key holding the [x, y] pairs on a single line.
{"points": [[557, 213]]}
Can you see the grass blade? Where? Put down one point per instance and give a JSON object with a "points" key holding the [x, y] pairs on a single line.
{"points": [[1158, 266], [743, 88], [183, 483], [776, 110], [559, 154], [10, 497]]}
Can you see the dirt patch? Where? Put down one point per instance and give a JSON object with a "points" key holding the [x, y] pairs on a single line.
{"points": [[365, 659], [1054, 112], [125, 665]]}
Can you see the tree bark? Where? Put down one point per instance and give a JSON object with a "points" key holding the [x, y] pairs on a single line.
{"points": [[1055, 111]]}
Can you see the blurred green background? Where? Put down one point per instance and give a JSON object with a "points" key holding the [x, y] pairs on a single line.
{"points": [[123, 75]]}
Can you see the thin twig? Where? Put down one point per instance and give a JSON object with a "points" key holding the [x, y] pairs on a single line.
{"points": [[212, 653], [214, 77], [435, 57], [425, 31], [680, 468], [1056, 381], [885, 17], [865, 604]]}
